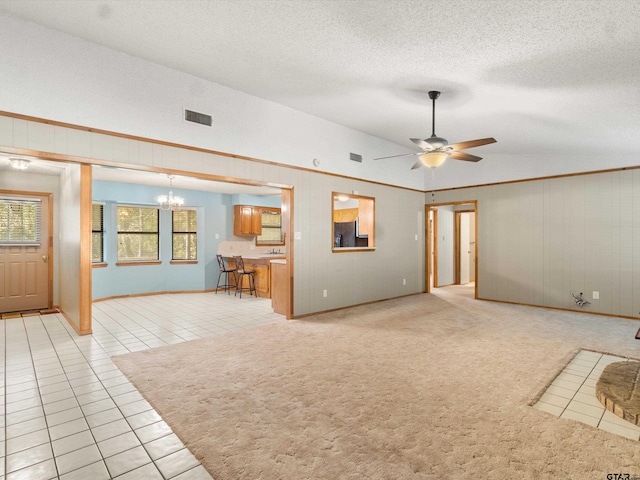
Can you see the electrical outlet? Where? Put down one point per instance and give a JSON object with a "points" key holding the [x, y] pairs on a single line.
{"points": [[217, 236], [596, 295], [404, 281], [324, 293], [416, 237]]}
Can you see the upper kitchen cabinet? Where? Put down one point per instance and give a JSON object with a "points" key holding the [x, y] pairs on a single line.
{"points": [[247, 220]]}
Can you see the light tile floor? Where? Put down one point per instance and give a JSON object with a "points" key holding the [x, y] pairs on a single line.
{"points": [[67, 411], [572, 395]]}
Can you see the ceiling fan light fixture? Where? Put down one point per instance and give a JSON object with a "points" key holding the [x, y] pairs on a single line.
{"points": [[437, 142], [433, 159]]}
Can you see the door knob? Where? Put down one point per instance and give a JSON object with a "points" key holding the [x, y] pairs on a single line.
{"points": [[45, 259]]}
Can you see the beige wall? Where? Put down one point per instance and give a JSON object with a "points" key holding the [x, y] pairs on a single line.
{"points": [[68, 239], [538, 241]]}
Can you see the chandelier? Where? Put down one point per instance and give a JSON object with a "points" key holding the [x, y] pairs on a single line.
{"points": [[170, 201]]}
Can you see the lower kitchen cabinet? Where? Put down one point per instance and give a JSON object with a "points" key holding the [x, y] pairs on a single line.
{"points": [[262, 276], [263, 280]]}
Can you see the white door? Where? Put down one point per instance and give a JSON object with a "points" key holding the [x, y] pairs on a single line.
{"points": [[24, 252], [472, 246], [465, 249]]}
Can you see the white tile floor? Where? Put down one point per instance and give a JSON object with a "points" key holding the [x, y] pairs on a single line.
{"points": [[68, 412], [572, 395]]}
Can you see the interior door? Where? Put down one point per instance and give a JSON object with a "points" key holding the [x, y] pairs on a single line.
{"points": [[465, 249], [24, 252]]}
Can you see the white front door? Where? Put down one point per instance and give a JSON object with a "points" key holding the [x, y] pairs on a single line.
{"points": [[24, 252]]}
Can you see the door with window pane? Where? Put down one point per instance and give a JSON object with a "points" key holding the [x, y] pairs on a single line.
{"points": [[24, 252]]}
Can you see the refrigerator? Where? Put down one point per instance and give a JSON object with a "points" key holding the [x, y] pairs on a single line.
{"points": [[344, 234]]}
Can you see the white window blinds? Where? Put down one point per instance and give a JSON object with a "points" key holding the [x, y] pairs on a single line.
{"points": [[19, 221]]}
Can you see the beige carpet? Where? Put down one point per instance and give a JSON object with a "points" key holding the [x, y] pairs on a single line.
{"points": [[428, 386]]}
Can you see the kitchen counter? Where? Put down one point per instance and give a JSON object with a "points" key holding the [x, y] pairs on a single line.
{"points": [[280, 287]]}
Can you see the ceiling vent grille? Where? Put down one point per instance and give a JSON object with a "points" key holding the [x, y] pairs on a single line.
{"points": [[355, 157], [195, 117]]}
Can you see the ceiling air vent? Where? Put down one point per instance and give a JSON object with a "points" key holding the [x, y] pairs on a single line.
{"points": [[355, 157], [195, 117]]}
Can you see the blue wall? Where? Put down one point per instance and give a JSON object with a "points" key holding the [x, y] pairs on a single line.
{"points": [[215, 218]]}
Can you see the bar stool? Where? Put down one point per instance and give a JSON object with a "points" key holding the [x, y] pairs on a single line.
{"points": [[225, 270], [241, 271]]}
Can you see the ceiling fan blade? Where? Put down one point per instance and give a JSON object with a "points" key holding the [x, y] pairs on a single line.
{"points": [[418, 164], [401, 155], [421, 143], [472, 143], [465, 156]]}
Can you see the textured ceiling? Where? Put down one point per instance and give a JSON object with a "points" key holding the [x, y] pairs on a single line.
{"points": [[542, 77]]}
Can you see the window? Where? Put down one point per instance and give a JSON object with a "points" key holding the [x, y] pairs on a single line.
{"points": [[353, 222], [19, 222], [138, 237], [184, 228], [271, 228], [97, 233]]}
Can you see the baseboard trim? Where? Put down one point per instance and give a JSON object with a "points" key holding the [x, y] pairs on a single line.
{"points": [[295, 317], [148, 294]]}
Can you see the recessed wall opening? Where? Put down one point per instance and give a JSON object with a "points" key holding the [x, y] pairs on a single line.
{"points": [[451, 256]]}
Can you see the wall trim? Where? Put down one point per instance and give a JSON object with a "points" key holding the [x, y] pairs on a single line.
{"points": [[71, 158], [560, 309], [67, 158], [77, 329], [148, 294], [296, 317], [534, 179]]}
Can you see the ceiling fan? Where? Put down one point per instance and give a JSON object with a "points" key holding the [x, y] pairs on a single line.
{"points": [[435, 150]]}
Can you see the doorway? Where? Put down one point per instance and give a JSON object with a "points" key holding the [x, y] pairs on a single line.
{"points": [[465, 254], [26, 275], [451, 256], [76, 307]]}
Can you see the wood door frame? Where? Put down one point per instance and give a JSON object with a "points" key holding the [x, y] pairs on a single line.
{"points": [[429, 235], [457, 240], [49, 215], [287, 221]]}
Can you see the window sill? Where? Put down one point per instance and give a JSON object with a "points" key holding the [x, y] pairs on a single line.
{"points": [[352, 249], [183, 262], [140, 263], [99, 265]]}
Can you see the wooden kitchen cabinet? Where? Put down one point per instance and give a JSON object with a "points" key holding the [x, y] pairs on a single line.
{"points": [[366, 217], [247, 220], [263, 280], [345, 215], [280, 291], [262, 276]]}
